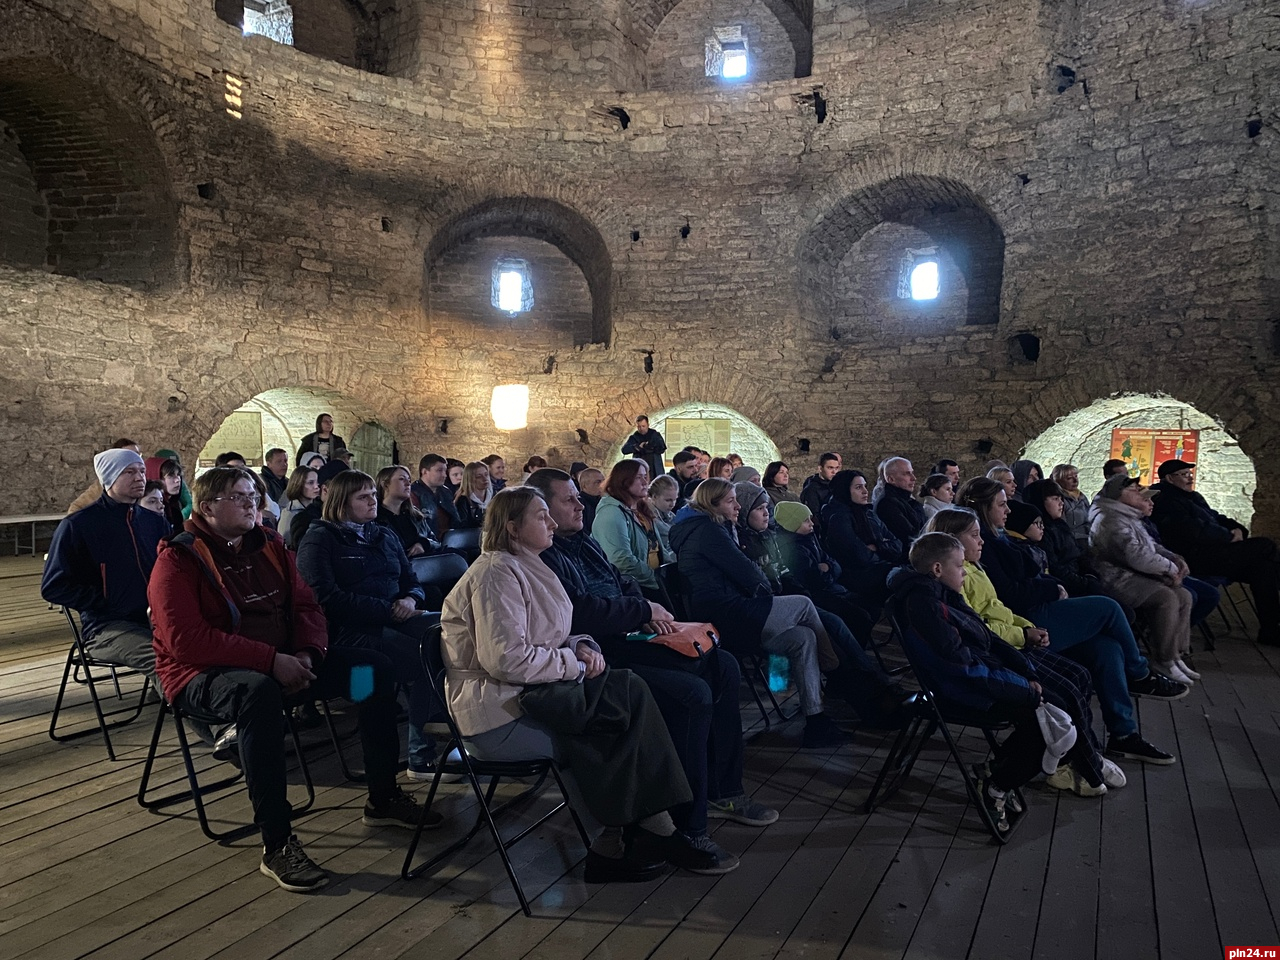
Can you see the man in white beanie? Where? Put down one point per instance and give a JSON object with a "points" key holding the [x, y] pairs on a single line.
{"points": [[100, 562]]}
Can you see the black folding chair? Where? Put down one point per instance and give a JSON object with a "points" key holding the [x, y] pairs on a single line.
{"points": [[198, 791], [473, 769], [468, 541], [930, 715], [80, 668], [438, 574], [754, 666]]}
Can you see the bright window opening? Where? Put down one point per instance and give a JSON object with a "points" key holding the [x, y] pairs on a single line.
{"points": [[512, 287], [924, 280], [272, 19], [735, 63]]}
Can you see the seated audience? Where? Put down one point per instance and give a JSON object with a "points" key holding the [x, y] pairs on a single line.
{"points": [[1066, 683], [817, 488], [646, 445], [229, 459], [625, 527], [859, 540], [1205, 596], [745, 475], [431, 494], [345, 456], [1025, 472], [1113, 467], [184, 492], [309, 514], [173, 486], [1143, 574], [153, 498], [275, 473], [533, 463], [1067, 562], [302, 489], [93, 491], [314, 460], [894, 500], [100, 561], [776, 481], [473, 496], [693, 694], [1216, 545], [1092, 631], [497, 471], [950, 469], [727, 589], [397, 512], [936, 493], [815, 570], [507, 644], [591, 481], [322, 440], [720, 467], [966, 665], [371, 598], [1024, 527], [455, 469], [1075, 505], [663, 493], [237, 632], [684, 468]]}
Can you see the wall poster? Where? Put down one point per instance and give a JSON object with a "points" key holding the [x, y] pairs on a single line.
{"points": [[1144, 449]]}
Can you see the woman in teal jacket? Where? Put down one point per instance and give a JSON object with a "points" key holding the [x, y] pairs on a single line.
{"points": [[624, 526]]}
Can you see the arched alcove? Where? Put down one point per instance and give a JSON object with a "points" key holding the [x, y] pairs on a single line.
{"points": [[86, 193], [724, 431], [687, 42], [1224, 473], [852, 259], [344, 31], [567, 260], [282, 416]]}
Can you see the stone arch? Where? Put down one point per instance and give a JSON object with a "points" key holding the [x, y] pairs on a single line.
{"points": [[898, 210], [287, 414], [344, 31], [744, 436], [779, 41], [539, 219], [105, 199], [1224, 473]]}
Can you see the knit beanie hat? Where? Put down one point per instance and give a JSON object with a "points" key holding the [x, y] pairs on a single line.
{"points": [[109, 464], [749, 496], [331, 470], [791, 515], [1021, 516], [744, 475]]}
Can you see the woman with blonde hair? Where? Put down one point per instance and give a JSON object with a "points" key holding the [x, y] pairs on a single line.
{"points": [[474, 493]]}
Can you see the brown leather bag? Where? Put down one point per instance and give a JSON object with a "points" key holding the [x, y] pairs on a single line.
{"points": [[694, 640]]}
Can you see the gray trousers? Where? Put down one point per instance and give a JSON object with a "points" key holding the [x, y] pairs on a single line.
{"points": [[792, 631], [123, 642], [1166, 610]]}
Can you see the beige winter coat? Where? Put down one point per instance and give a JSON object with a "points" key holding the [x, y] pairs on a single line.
{"points": [[1123, 549], [505, 625]]}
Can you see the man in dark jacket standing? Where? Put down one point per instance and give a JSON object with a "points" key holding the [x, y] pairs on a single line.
{"points": [[237, 631], [1216, 545], [646, 444], [896, 502], [101, 559]]}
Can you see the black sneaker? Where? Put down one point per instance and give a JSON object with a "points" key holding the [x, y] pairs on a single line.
{"points": [[995, 807], [292, 869], [399, 810], [821, 733], [696, 856], [1133, 747], [1158, 687], [602, 869]]}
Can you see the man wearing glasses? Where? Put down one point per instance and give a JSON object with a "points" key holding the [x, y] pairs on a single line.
{"points": [[1216, 545], [237, 632], [100, 561]]}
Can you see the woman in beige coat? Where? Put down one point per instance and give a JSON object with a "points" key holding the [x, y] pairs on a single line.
{"points": [[506, 628]]}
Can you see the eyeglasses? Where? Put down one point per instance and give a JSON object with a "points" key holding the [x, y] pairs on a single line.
{"points": [[241, 499]]}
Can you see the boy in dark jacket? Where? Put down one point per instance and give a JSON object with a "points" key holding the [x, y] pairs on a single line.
{"points": [[816, 570], [965, 664]]}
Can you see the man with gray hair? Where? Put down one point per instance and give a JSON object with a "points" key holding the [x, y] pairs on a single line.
{"points": [[895, 500], [100, 562]]}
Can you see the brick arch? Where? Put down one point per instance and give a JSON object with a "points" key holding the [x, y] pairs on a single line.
{"points": [[540, 218], [948, 210]]}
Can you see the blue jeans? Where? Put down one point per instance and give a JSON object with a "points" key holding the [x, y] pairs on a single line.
{"points": [[1093, 631], [1204, 599]]}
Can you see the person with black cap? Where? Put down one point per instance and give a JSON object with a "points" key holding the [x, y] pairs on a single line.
{"points": [[100, 561], [1025, 530], [1216, 545], [1142, 573]]}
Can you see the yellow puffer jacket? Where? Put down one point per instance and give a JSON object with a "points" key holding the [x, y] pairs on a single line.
{"points": [[981, 595]]}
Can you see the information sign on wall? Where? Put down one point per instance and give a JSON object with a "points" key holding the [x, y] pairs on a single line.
{"points": [[1144, 450], [713, 435]]}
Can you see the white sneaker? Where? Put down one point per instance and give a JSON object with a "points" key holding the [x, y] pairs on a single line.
{"points": [[1171, 670], [1083, 788], [1063, 778], [1187, 670], [1112, 775]]}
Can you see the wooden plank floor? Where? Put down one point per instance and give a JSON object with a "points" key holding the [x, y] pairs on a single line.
{"points": [[1180, 862]]}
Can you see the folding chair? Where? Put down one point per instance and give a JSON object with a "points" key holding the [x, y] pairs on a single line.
{"points": [[473, 769], [439, 573], [468, 541], [79, 669], [929, 715], [198, 791], [754, 666]]}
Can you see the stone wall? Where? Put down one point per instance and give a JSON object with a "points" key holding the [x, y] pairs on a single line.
{"points": [[24, 216], [677, 53], [1104, 150]]}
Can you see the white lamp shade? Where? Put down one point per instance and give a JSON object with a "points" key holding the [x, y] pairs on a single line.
{"points": [[510, 406]]}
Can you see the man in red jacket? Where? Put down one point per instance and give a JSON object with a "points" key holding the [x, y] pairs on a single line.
{"points": [[237, 632]]}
